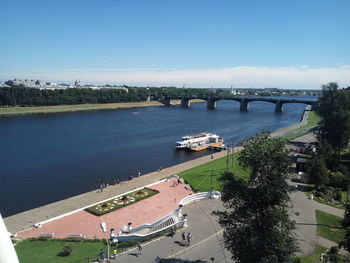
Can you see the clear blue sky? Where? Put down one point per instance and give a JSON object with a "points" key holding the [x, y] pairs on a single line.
{"points": [[102, 36]]}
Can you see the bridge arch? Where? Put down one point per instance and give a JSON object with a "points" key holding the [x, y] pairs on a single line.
{"points": [[244, 101]]}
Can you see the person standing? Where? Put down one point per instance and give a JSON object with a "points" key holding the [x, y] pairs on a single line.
{"points": [[139, 247], [115, 253], [102, 255], [189, 237], [183, 235]]}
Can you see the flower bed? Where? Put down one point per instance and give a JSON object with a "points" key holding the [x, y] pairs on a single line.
{"points": [[120, 202]]}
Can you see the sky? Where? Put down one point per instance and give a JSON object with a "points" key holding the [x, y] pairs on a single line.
{"points": [[298, 44]]}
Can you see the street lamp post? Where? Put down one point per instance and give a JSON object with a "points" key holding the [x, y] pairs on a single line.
{"points": [[227, 152], [233, 155]]}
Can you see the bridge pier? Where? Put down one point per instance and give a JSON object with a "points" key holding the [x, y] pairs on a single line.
{"points": [[166, 101], [211, 104], [279, 107], [185, 103], [244, 105]]}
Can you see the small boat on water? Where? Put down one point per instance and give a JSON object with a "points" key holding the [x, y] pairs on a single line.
{"points": [[199, 141]]}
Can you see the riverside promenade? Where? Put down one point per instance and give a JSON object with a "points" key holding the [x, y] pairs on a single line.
{"points": [[28, 218]]}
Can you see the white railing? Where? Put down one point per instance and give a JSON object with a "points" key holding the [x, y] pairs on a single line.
{"points": [[193, 197], [132, 233], [134, 236], [160, 221]]}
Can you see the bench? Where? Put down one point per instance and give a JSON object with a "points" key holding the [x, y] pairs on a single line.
{"points": [[47, 234], [75, 235]]}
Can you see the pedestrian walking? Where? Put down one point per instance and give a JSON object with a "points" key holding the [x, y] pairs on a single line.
{"points": [[115, 253], [139, 247], [183, 235], [139, 174], [102, 255], [189, 237]]}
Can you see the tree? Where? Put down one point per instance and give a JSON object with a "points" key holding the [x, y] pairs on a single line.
{"points": [[334, 110], [256, 223], [318, 171], [346, 224]]}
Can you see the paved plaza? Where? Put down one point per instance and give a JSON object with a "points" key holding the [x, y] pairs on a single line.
{"points": [[145, 211], [206, 243]]}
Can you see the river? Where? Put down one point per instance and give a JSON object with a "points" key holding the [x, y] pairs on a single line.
{"points": [[46, 158]]}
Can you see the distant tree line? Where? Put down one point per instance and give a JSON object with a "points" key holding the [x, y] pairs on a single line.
{"points": [[21, 96], [24, 96]]}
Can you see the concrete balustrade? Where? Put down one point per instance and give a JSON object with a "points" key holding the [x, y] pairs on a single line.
{"points": [[179, 219]]}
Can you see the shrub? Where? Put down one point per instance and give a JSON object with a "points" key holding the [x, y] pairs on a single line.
{"points": [[338, 179], [338, 194], [66, 251]]}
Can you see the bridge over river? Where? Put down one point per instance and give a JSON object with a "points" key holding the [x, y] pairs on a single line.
{"points": [[244, 101]]}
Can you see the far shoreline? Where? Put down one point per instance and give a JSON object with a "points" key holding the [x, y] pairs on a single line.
{"points": [[31, 110], [19, 110]]}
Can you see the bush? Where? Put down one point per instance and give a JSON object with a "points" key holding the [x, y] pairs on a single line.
{"points": [[338, 179], [338, 194], [66, 251]]}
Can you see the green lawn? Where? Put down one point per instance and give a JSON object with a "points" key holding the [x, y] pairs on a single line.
{"points": [[315, 256], [46, 251], [312, 121], [336, 204], [200, 177], [329, 226], [17, 110]]}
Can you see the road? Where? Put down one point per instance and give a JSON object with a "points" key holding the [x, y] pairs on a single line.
{"points": [[207, 239]]}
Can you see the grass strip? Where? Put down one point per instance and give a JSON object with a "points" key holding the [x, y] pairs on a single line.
{"points": [[13, 111], [313, 120], [40, 251], [329, 226], [202, 177], [315, 257], [48, 250]]}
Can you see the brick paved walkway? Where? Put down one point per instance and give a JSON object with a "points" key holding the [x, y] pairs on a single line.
{"points": [[26, 219], [142, 212]]}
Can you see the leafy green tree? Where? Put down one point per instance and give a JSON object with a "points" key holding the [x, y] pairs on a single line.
{"points": [[346, 225], [256, 224], [318, 171], [334, 110]]}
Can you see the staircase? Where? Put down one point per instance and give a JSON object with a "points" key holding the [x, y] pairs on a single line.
{"points": [[169, 222]]}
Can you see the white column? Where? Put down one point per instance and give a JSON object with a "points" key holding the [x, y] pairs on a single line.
{"points": [[7, 251]]}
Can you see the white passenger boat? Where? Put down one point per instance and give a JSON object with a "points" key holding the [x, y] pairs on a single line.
{"points": [[199, 141]]}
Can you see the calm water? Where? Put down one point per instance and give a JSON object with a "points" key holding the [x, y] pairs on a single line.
{"points": [[46, 158]]}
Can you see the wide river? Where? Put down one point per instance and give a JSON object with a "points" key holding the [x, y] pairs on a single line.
{"points": [[46, 158]]}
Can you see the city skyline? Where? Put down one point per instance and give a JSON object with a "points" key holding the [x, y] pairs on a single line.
{"points": [[289, 44]]}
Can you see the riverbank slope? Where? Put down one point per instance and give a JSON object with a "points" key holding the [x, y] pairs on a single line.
{"points": [[18, 110], [14, 111]]}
